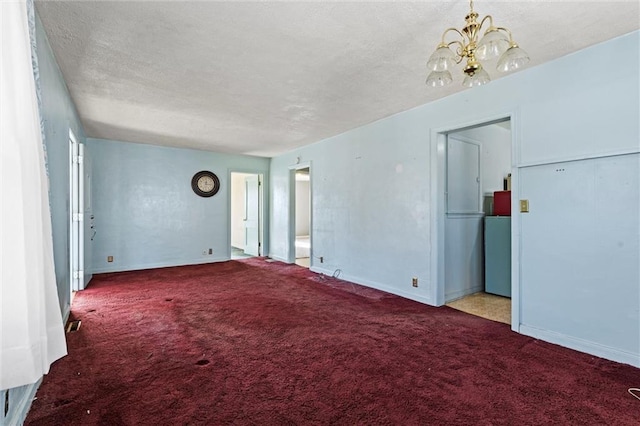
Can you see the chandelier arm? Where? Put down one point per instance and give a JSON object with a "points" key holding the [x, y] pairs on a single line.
{"points": [[459, 51], [490, 18], [444, 34], [506, 30]]}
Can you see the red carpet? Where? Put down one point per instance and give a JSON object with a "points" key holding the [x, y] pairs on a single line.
{"points": [[257, 343]]}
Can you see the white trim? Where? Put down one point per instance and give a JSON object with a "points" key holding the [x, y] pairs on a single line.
{"points": [[291, 255], [436, 183], [516, 249], [160, 265], [582, 345], [262, 222], [76, 210], [463, 215], [80, 195], [581, 158], [376, 285], [279, 259], [459, 294]]}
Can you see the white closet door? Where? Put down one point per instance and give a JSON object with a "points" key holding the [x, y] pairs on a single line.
{"points": [[463, 176]]}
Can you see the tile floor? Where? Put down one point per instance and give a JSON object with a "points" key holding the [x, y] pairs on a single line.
{"points": [[237, 253], [303, 261], [490, 306]]}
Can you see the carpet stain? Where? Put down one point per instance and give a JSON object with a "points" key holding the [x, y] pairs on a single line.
{"points": [[285, 346]]}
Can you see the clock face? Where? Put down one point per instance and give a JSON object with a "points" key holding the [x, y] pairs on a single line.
{"points": [[205, 184]]}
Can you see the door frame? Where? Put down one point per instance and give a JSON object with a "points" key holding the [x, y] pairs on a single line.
{"points": [[76, 214], [291, 258], [459, 215], [261, 209], [438, 140]]}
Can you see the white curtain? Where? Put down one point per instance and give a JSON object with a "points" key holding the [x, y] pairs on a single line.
{"points": [[32, 334]]}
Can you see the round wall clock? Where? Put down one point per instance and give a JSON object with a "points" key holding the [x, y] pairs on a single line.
{"points": [[205, 184]]}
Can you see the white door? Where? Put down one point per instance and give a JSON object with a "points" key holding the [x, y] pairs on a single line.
{"points": [[76, 189], [252, 215], [463, 176], [463, 220]]}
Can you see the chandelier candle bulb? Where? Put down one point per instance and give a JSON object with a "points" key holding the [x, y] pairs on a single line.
{"points": [[497, 42]]}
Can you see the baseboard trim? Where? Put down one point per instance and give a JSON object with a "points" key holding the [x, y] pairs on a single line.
{"points": [[65, 314], [279, 259], [18, 414], [582, 345], [461, 293], [378, 286], [159, 265]]}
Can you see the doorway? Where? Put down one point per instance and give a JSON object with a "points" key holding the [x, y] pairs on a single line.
{"points": [[477, 234], [302, 217], [246, 215], [76, 216]]}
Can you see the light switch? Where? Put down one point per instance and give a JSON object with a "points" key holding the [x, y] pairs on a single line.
{"points": [[524, 206]]}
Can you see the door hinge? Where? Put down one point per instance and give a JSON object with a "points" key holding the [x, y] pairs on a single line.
{"points": [[78, 217]]}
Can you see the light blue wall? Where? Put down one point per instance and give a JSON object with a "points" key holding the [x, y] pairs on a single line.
{"points": [[147, 215], [19, 403], [370, 209], [59, 115], [373, 216]]}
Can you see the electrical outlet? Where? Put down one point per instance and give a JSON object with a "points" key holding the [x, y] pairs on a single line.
{"points": [[109, 258], [210, 251], [321, 259], [414, 281]]}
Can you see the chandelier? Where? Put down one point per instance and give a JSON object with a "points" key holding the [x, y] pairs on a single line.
{"points": [[496, 42]]}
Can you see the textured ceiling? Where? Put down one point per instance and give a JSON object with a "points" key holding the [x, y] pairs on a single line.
{"points": [[262, 78]]}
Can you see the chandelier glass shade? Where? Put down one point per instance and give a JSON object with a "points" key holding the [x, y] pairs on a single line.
{"points": [[495, 43]]}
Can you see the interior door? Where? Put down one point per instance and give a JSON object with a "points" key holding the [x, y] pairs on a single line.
{"points": [[252, 215], [463, 176], [76, 187], [463, 220]]}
